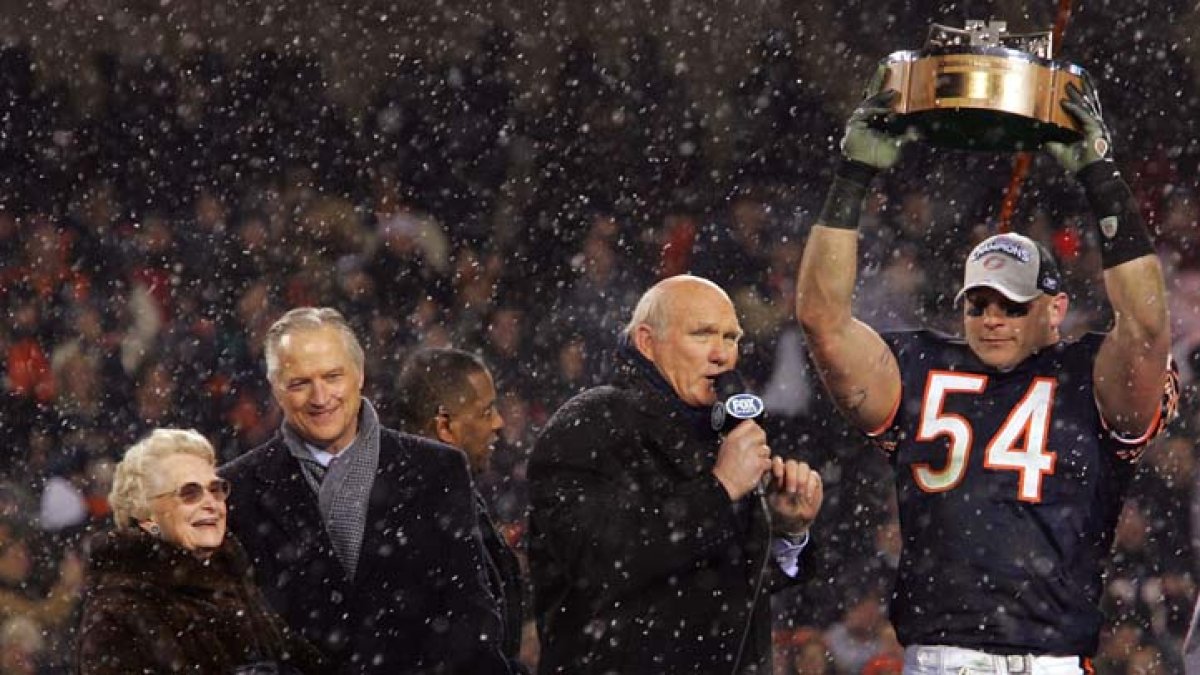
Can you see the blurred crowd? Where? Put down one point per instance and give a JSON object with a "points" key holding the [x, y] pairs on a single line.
{"points": [[147, 243]]}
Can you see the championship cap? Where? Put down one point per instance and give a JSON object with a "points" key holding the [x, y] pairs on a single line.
{"points": [[1013, 264]]}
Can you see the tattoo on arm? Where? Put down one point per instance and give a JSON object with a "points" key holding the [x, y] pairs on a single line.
{"points": [[853, 399]]}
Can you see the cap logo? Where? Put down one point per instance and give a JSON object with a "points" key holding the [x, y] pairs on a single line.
{"points": [[993, 263], [1006, 246]]}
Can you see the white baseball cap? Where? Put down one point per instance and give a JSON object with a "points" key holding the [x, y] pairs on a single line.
{"points": [[1015, 265]]}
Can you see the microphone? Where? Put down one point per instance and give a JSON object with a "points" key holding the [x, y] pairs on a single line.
{"points": [[734, 404]]}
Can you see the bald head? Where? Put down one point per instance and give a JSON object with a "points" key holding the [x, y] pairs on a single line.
{"points": [[653, 308]]}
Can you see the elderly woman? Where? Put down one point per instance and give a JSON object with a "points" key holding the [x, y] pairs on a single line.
{"points": [[168, 591]]}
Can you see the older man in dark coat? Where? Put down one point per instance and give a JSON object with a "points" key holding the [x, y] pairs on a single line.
{"points": [[363, 538], [651, 548]]}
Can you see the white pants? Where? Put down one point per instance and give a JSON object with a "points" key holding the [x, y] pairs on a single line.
{"points": [[943, 660]]}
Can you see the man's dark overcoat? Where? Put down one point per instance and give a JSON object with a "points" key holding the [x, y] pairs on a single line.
{"points": [[504, 581], [640, 561], [418, 601]]}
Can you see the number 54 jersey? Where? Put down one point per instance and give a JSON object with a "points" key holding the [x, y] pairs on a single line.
{"points": [[1009, 487]]}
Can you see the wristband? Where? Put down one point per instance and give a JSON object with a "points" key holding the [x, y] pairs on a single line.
{"points": [[1123, 233], [844, 200]]}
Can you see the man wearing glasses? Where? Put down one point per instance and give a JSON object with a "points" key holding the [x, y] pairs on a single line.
{"points": [[363, 538], [1012, 448]]}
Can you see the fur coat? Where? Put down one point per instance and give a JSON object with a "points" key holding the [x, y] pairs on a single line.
{"points": [[151, 607]]}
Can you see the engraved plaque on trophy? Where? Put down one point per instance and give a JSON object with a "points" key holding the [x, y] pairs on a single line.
{"points": [[981, 88]]}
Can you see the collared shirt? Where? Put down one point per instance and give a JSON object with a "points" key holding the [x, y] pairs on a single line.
{"points": [[323, 457], [787, 554]]}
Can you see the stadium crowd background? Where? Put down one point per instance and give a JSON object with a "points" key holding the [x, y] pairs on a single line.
{"points": [[160, 210]]}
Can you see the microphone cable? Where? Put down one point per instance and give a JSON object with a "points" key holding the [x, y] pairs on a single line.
{"points": [[759, 580]]}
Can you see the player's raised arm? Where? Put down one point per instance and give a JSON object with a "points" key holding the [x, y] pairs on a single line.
{"points": [[855, 363], [1131, 366]]}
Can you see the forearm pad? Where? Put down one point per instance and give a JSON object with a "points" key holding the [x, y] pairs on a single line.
{"points": [[844, 201], [1123, 233]]}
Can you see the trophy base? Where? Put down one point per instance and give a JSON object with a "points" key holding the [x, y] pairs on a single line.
{"points": [[983, 98], [982, 130]]}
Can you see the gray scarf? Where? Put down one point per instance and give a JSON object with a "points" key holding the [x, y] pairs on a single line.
{"points": [[343, 488]]}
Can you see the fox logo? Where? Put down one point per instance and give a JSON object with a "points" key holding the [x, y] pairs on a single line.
{"points": [[744, 406]]}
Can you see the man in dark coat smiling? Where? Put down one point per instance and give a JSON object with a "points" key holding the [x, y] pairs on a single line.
{"points": [[364, 539], [651, 548]]}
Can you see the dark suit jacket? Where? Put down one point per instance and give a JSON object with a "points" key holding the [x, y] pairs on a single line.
{"points": [[504, 580], [419, 600], [640, 561]]}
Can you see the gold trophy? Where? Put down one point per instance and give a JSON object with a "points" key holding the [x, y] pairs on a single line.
{"points": [[981, 88]]}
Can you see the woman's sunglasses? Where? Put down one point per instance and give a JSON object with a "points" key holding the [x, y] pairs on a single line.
{"points": [[192, 493]]}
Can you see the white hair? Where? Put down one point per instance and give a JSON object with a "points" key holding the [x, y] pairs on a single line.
{"points": [[133, 480], [309, 318]]}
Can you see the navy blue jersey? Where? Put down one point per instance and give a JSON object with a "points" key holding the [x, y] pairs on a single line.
{"points": [[1009, 489]]}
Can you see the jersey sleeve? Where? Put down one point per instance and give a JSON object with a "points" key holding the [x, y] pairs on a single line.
{"points": [[1130, 447]]}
